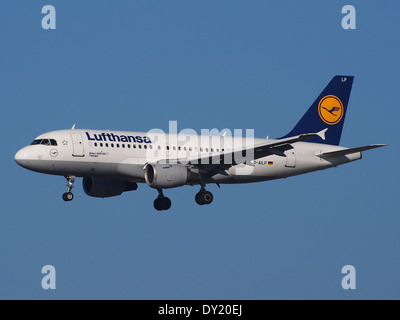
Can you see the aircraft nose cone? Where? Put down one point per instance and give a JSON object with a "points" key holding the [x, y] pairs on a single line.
{"points": [[21, 157]]}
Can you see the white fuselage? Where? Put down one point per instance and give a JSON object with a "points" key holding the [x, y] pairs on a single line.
{"points": [[123, 155]]}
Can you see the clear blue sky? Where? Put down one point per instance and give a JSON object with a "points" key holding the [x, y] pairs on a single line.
{"points": [[135, 65]]}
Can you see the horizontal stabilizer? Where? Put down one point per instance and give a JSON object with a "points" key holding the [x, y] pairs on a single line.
{"points": [[321, 134], [349, 151]]}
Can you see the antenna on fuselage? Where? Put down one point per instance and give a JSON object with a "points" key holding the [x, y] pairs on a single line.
{"points": [[73, 127]]}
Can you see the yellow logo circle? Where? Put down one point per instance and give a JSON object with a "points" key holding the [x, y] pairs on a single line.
{"points": [[331, 109]]}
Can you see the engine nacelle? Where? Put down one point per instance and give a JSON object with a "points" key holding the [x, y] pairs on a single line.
{"points": [[164, 176], [105, 188]]}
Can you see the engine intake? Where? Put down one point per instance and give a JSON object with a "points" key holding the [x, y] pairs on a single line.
{"points": [[164, 176], [105, 188]]}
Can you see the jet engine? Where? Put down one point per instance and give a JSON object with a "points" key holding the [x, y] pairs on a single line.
{"points": [[163, 176], [105, 188]]}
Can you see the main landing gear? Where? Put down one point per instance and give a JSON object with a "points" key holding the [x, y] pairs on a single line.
{"points": [[162, 203], [69, 196], [204, 197]]}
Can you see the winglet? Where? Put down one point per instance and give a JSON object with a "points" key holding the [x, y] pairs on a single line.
{"points": [[73, 127], [321, 134]]}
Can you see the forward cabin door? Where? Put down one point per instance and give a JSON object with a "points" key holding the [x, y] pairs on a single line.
{"points": [[77, 145]]}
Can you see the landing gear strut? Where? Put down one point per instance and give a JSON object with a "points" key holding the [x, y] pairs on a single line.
{"points": [[162, 203], [69, 196]]}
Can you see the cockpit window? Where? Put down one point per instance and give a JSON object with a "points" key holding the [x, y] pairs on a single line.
{"points": [[46, 142], [35, 142]]}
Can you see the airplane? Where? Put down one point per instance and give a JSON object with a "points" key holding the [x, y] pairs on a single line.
{"points": [[113, 162]]}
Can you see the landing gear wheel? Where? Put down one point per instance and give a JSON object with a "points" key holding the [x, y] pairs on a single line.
{"points": [[204, 198], [207, 197], [198, 199], [68, 196], [166, 203], [162, 204], [157, 204]]}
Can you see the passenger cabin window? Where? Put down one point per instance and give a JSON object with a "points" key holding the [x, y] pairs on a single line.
{"points": [[45, 142]]}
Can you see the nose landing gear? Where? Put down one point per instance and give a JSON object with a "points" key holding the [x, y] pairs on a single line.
{"points": [[69, 196]]}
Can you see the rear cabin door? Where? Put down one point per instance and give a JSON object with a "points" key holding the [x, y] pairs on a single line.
{"points": [[77, 145], [290, 158]]}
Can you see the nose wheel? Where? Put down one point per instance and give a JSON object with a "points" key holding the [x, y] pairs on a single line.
{"points": [[69, 196], [162, 203]]}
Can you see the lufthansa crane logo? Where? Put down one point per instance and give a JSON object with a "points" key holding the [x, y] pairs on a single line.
{"points": [[53, 153], [331, 109]]}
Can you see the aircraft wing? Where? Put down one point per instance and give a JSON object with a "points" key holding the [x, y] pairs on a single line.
{"points": [[226, 159]]}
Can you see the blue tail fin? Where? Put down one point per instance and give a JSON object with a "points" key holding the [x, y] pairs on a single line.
{"points": [[328, 111]]}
